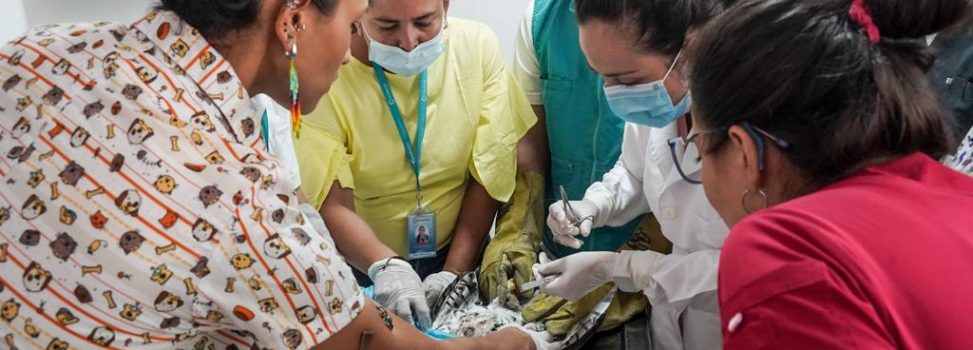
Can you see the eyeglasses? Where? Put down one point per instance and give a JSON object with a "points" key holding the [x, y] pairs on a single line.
{"points": [[690, 162]]}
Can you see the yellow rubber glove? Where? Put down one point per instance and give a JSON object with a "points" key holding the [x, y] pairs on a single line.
{"points": [[560, 315], [514, 247]]}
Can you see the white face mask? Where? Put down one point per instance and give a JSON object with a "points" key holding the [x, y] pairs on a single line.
{"points": [[406, 63]]}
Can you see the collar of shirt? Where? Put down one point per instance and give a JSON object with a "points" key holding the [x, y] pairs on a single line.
{"points": [[188, 53]]}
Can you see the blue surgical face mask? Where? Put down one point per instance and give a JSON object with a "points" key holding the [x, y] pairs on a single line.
{"points": [[406, 63], [647, 104]]}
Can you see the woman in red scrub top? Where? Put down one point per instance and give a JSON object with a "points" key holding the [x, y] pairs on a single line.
{"points": [[819, 139]]}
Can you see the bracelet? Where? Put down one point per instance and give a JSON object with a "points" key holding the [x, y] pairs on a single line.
{"points": [[375, 268], [389, 260]]}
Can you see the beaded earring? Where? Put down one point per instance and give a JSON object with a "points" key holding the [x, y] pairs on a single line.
{"points": [[293, 81], [295, 87]]}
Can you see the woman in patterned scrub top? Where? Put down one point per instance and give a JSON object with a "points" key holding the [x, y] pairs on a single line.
{"points": [[139, 207]]}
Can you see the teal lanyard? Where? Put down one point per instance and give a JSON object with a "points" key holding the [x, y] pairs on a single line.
{"points": [[265, 130], [414, 153]]}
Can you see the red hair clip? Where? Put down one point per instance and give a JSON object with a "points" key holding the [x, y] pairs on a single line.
{"points": [[860, 15]]}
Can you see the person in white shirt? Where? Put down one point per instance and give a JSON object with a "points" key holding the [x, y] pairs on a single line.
{"points": [[637, 47], [275, 121]]}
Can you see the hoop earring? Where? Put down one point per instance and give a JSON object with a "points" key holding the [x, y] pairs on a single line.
{"points": [[295, 87], [743, 200]]}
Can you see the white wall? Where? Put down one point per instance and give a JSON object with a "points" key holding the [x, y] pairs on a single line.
{"points": [[13, 21], [502, 15], [17, 16], [64, 11]]}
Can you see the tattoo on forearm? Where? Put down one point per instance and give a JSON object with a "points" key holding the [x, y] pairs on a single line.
{"points": [[385, 317]]}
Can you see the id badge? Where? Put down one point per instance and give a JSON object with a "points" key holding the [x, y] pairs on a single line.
{"points": [[421, 234]]}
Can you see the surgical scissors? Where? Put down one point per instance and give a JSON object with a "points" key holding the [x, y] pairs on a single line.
{"points": [[569, 212]]}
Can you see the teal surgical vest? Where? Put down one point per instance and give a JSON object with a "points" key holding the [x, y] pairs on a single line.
{"points": [[585, 136]]}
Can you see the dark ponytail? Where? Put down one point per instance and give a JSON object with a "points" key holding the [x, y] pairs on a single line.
{"points": [[660, 25], [808, 73], [213, 18]]}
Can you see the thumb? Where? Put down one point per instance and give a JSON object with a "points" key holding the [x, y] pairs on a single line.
{"points": [[429, 291], [401, 308], [555, 267], [422, 313], [557, 212], [560, 286], [552, 221], [542, 258]]}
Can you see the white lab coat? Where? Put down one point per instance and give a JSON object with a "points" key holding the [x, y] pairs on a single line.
{"points": [[684, 282]]}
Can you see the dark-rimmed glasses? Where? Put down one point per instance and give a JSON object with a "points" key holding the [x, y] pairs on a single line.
{"points": [[689, 162]]}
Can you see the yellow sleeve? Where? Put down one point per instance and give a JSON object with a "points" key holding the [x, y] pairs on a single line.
{"points": [[505, 116], [322, 153]]}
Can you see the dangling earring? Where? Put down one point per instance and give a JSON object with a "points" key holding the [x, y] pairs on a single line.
{"points": [[295, 87], [743, 200]]}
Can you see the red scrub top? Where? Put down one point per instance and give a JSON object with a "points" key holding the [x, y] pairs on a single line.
{"points": [[881, 260]]}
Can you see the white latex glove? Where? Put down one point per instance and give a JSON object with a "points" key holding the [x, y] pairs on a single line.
{"points": [[435, 284], [399, 288], [581, 273], [542, 258], [543, 340], [564, 228]]}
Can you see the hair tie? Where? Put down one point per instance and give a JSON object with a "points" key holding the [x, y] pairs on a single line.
{"points": [[860, 15]]}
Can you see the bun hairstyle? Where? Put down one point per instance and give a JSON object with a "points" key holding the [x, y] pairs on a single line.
{"points": [[213, 18], [660, 25], [842, 81]]}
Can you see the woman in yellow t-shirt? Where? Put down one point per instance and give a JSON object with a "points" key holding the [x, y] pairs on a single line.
{"points": [[423, 98]]}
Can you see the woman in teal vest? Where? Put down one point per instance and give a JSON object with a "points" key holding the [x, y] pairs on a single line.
{"points": [[584, 136], [577, 139]]}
